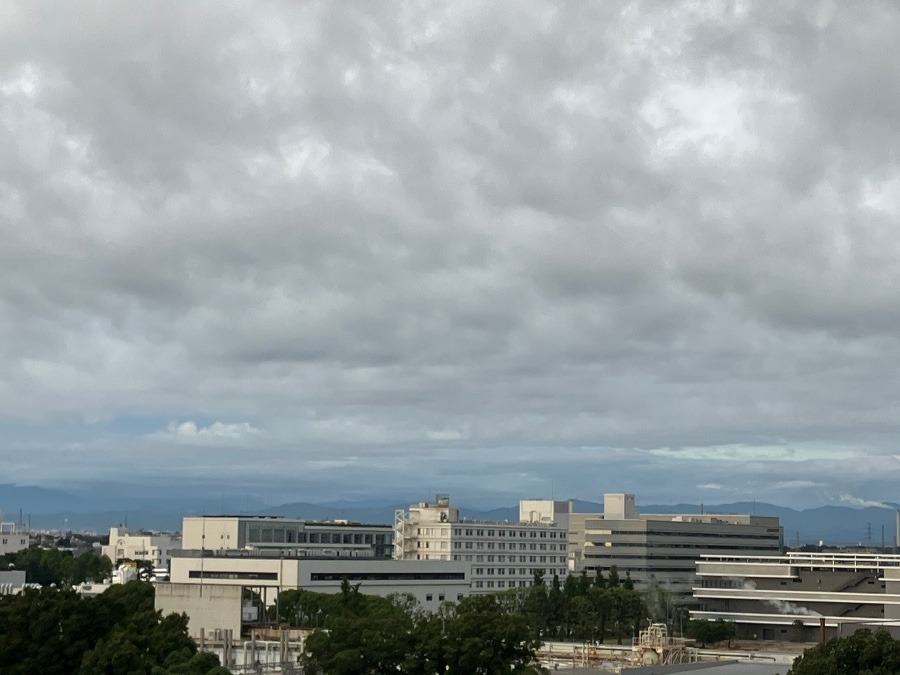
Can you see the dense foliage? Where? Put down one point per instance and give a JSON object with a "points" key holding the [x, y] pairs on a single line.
{"points": [[46, 566], [52, 631], [584, 608], [369, 634], [863, 653], [480, 634], [709, 632]]}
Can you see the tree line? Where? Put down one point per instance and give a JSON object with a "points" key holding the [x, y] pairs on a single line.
{"points": [[357, 633], [55, 632], [48, 566], [583, 607]]}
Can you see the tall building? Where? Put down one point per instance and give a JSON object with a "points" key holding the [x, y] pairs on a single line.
{"points": [[662, 548], [503, 555], [293, 537]]}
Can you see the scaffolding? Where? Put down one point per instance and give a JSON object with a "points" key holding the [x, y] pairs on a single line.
{"points": [[655, 646]]}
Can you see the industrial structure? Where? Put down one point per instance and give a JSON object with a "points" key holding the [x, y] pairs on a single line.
{"points": [[662, 548], [799, 596], [502, 555]]}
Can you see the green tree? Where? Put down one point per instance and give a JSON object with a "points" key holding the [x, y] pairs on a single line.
{"points": [[613, 581], [53, 631], [364, 634], [49, 566], [484, 638], [863, 653], [555, 606], [709, 632]]}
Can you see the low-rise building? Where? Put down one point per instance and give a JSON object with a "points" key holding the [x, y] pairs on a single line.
{"points": [[502, 555], [797, 595], [292, 536], [268, 573], [151, 547], [662, 548]]}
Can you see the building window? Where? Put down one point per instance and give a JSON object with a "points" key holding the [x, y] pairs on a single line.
{"points": [[428, 598]]}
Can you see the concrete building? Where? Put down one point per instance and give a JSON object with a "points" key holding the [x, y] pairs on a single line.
{"points": [[789, 597], [268, 573], [12, 538], [209, 608], [502, 555], [293, 537], [662, 547], [155, 548]]}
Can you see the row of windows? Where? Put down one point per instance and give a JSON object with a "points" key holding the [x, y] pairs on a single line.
{"points": [[522, 534], [667, 545], [500, 584], [502, 571], [283, 535], [667, 533], [256, 576], [387, 576], [501, 546], [430, 597], [612, 552], [490, 546], [511, 558]]}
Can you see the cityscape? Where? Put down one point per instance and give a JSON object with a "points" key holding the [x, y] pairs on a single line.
{"points": [[363, 338]]}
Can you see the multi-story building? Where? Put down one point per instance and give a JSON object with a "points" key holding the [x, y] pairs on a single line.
{"points": [[502, 555], [154, 548], [199, 577], [12, 538], [293, 537], [799, 596], [662, 548]]}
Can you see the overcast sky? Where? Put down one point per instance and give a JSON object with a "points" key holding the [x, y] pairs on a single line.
{"points": [[498, 249]]}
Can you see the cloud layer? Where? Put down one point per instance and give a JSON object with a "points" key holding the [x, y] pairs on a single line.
{"points": [[478, 247]]}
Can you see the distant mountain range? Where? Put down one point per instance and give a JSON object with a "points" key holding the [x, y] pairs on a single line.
{"points": [[96, 511]]}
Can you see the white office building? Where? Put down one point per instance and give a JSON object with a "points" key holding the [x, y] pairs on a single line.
{"points": [[502, 555], [154, 548], [199, 579]]}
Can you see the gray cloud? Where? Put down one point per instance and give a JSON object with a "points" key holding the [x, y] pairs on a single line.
{"points": [[493, 232]]}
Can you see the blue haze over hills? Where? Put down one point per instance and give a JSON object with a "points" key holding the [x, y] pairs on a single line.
{"points": [[98, 509]]}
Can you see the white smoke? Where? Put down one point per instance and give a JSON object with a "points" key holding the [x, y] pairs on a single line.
{"points": [[783, 606], [864, 503]]}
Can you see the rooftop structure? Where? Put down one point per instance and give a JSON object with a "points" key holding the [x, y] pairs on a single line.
{"points": [[334, 539]]}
